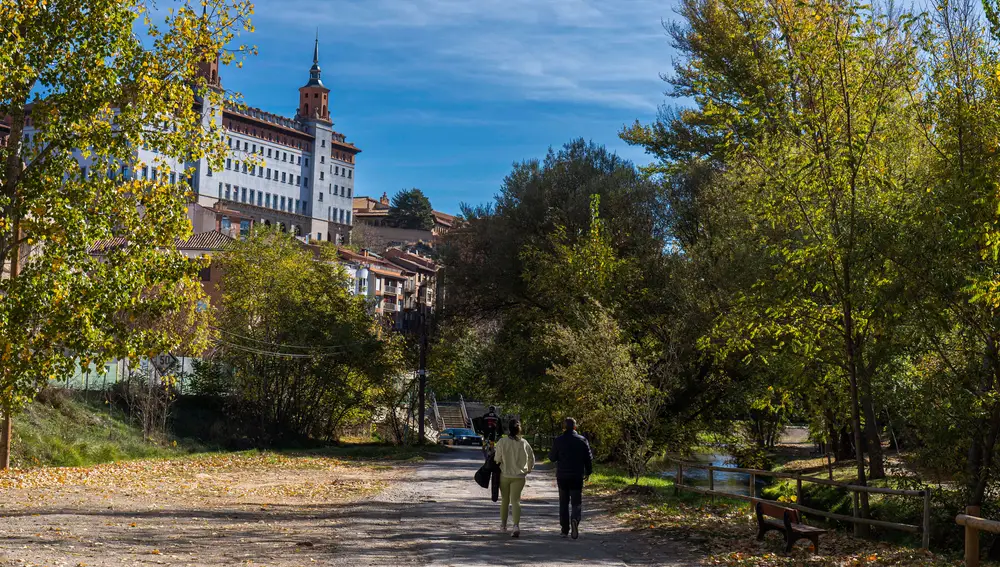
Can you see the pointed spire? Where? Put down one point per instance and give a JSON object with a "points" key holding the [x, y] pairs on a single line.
{"points": [[316, 49], [315, 72]]}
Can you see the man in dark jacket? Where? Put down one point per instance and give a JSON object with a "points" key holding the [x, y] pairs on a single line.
{"points": [[574, 463]]}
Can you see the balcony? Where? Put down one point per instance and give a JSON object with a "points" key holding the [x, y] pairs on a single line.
{"points": [[390, 290], [411, 286], [389, 307]]}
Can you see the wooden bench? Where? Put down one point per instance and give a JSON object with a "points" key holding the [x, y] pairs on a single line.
{"points": [[788, 522]]}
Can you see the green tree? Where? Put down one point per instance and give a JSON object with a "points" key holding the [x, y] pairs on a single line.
{"points": [[806, 108], [411, 209], [105, 77], [303, 356]]}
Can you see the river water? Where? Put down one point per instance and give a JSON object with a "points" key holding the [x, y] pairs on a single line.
{"points": [[732, 482]]}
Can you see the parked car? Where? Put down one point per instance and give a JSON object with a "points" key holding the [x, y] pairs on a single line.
{"points": [[459, 436]]}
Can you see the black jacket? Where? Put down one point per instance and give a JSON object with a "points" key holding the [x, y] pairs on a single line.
{"points": [[571, 453]]}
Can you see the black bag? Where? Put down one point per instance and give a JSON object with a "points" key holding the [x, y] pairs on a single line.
{"points": [[483, 475]]}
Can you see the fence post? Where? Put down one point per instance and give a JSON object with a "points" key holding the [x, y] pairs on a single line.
{"points": [[829, 465], [855, 505], [753, 487], [711, 483], [798, 490], [926, 539], [971, 539], [679, 479]]}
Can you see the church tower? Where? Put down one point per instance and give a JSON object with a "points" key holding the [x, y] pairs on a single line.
{"points": [[314, 97]]}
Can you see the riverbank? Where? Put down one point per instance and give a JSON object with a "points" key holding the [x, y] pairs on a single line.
{"points": [[724, 531]]}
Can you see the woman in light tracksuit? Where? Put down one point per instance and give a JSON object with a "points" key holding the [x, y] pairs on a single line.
{"points": [[516, 459]]}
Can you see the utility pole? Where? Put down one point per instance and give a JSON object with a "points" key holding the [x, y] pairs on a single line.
{"points": [[422, 373]]}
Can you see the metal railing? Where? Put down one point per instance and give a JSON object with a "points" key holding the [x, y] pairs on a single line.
{"points": [[924, 529], [973, 525], [465, 411], [390, 290], [437, 414]]}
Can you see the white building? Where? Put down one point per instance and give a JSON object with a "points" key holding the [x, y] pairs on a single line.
{"points": [[303, 178]]}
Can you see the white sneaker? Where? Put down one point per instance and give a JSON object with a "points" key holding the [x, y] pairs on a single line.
{"points": [[517, 531]]}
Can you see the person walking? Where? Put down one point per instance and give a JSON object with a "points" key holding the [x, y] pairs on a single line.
{"points": [[574, 463], [516, 459]]}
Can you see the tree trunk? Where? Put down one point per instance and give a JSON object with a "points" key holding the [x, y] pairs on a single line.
{"points": [[861, 530], [876, 462], [985, 433]]}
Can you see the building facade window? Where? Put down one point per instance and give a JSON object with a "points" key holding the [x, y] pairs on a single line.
{"points": [[220, 189], [229, 163], [282, 176], [321, 175], [282, 203], [260, 198], [321, 197], [267, 201], [243, 195], [227, 190], [348, 217]]}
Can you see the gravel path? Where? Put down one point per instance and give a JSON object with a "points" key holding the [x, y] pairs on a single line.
{"points": [[439, 516], [432, 513]]}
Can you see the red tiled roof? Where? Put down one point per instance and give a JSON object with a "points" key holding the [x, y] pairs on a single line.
{"points": [[372, 260], [410, 261], [211, 240]]}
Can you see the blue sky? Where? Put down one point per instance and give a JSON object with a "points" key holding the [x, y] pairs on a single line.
{"points": [[445, 95]]}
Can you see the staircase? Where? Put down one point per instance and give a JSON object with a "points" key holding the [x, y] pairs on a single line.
{"points": [[451, 415]]}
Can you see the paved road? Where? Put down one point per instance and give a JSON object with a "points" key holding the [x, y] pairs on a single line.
{"points": [[439, 516]]}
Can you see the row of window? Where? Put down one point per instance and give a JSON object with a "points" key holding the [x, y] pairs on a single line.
{"points": [[334, 214], [342, 171], [259, 150], [147, 173], [261, 171], [262, 199], [337, 191]]}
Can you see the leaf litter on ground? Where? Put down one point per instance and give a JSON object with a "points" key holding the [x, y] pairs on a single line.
{"points": [[725, 533]]}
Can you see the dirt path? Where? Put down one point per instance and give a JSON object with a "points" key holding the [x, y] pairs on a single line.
{"points": [[293, 513]]}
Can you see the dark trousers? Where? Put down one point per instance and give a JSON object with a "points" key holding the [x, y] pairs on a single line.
{"points": [[570, 490]]}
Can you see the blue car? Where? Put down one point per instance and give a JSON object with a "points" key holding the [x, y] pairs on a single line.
{"points": [[459, 436]]}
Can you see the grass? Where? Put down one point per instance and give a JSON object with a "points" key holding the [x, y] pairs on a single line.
{"points": [[64, 430]]}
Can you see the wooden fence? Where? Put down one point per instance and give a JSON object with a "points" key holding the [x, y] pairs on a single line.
{"points": [[973, 525], [855, 518]]}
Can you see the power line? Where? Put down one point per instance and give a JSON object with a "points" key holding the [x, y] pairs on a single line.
{"points": [[312, 349], [276, 353]]}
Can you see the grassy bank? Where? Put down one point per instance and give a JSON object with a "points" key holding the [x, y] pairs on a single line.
{"points": [[64, 429], [724, 530], [59, 429]]}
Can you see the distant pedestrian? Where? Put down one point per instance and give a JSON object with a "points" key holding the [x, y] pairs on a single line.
{"points": [[574, 463], [516, 459]]}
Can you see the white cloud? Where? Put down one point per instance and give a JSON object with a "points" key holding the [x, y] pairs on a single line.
{"points": [[587, 51]]}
